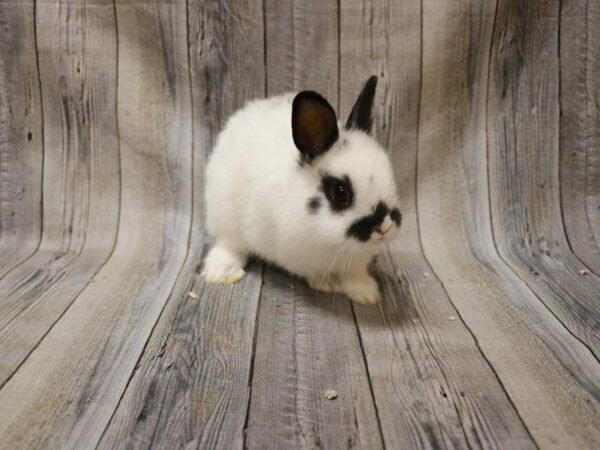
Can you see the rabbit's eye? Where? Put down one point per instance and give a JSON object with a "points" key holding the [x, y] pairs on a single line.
{"points": [[338, 192]]}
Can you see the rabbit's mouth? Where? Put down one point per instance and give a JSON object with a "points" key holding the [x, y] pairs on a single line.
{"points": [[381, 232]]}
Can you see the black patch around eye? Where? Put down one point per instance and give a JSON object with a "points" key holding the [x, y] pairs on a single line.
{"points": [[363, 227], [396, 216], [338, 192], [314, 204]]}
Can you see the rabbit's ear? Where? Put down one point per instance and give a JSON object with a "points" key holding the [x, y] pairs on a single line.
{"points": [[361, 116], [314, 125]]}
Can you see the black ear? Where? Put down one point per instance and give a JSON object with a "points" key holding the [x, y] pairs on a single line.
{"points": [[361, 116], [314, 125]]}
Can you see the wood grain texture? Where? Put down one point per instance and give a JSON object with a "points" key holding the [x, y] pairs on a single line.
{"points": [[21, 141], [524, 167], [488, 333], [522, 340], [302, 47], [81, 176], [190, 388], [419, 353], [305, 344], [88, 357], [579, 58]]}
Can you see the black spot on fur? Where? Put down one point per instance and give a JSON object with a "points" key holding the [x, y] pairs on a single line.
{"points": [[314, 204], [338, 192], [396, 216], [363, 228]]}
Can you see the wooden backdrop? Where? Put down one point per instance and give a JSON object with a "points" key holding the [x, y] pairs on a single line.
{"points": [[489, 334]]}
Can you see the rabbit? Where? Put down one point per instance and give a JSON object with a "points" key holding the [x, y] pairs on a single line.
{"points": [[289, 184]]}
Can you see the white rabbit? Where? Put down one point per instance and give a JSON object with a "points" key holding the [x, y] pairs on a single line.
{"points": [[287, 183]]}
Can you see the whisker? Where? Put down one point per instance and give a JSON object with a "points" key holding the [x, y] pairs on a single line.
{"points": [[328, 271], [432, 212], [348, 265], [414, 211]]}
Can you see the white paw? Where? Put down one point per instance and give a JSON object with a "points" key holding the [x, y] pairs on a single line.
{"points": [[362, 290], [222, 266]]}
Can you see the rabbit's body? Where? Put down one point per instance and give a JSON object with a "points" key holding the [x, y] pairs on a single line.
{"points": [[265, 198]]}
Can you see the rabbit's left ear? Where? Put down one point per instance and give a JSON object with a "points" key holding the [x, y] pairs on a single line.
{"points": [[361, 116], [314, 125]]}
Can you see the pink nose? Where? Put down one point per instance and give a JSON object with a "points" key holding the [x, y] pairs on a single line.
{"points": [[380, 231]]}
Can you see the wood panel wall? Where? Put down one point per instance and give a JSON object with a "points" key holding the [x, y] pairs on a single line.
{"points": [[488, 336]]}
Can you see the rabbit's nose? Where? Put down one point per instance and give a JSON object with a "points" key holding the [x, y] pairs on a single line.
{"points": [[384, 227]]}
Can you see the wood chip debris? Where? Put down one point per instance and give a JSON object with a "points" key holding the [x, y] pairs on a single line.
{"points": [[425, 274], [192, 294], [452, 318], [330, 394], [584, 272]]}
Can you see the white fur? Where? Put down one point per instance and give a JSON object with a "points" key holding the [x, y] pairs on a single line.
{"points": [[257, 198]]}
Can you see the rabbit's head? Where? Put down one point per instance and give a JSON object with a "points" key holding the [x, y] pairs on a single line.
{"points": [[354, 198]]}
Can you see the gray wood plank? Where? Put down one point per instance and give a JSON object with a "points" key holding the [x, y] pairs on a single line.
{"points": [[190, 388], [524, 167], [21, 141], [302, 47], [550, 376], [88, 357], [579, 58], [433, 387], [420, 353], [487, 331], [306, 343], [81, 177]]}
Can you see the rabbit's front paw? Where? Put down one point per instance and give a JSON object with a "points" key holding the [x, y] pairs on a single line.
{"points": [[362, 289], [222, 266]]}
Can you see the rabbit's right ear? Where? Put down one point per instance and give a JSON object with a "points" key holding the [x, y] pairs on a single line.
{"points": [[314, 125]]}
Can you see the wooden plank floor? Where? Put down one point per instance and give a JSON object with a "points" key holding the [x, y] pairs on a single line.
{"points": [[489, 332]]}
